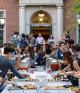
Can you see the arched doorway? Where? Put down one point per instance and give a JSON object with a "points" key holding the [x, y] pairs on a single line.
{"points": [[41, 23]]}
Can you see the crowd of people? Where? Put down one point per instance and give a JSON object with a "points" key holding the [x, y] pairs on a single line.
{"points": [[39, 51]]}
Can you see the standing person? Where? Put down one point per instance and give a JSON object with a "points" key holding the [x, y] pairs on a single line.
{"points": [[15, 39], [53, 54], [5, 63], [31, 40], [60, 50], [40, 56], [67, 37], [31, 56], [70, 46], [22, 43], [40, 40], [50, 39], [27, 39]]}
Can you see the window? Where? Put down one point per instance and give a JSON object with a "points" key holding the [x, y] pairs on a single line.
{"points": [[2, 14]]}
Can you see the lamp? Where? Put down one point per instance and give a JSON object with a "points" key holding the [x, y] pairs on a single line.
{"points": [[78, 21], [2, 23], [41, 18]]}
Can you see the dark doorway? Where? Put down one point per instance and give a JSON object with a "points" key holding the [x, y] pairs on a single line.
{"points": [[45, 31]]}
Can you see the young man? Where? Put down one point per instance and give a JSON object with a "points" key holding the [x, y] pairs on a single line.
{"points": [[40, 40], [5, 63]]}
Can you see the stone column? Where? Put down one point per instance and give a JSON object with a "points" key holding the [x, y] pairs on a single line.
{"points": [[22, 19], [59, 22]]}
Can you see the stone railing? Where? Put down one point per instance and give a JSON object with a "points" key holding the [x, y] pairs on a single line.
{"points": [[41, 2]]}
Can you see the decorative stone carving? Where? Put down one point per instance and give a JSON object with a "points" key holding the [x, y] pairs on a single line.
{"points": [[41, 2]]}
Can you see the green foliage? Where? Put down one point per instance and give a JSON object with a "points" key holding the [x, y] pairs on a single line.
{"points": [[77, 6]]}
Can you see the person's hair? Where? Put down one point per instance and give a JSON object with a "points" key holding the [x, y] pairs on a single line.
{"points": [[17, 33], [52, 42], [27, 36], [8, 49], [51, 37], [31, 52], [23, 35], [61, 42], [71, 41], [68, 32], [77, 48], [68, 57], [55, 47]]}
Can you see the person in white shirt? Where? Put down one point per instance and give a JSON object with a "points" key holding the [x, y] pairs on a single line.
{"points": [[40, 40], [50, 39]]}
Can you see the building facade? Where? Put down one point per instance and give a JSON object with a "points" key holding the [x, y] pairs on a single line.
{"points": [[10, 14], [39, 16]]}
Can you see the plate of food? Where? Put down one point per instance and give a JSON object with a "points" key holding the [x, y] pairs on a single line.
{"points": [[75, 88], [29, 86], [54, 88]]}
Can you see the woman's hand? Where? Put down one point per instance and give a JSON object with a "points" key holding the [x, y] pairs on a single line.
{"points": [[66, 73], [70, 73], [62, 72], [77, 74]]}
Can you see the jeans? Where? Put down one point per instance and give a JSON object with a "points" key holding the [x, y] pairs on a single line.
{"points": [[73, 80]]}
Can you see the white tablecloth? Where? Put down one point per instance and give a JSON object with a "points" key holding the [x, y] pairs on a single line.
{"points": [[40, 91], [34, 91]]}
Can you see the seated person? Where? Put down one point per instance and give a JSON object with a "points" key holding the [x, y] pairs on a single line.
{"points": [[72, 65]]}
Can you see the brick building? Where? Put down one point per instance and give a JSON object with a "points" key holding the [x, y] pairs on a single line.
{"points": [[11, 11], [70, 18], [11, 16]]}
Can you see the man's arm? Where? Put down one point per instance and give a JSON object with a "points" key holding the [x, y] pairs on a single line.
{"points": [[12, 68]]}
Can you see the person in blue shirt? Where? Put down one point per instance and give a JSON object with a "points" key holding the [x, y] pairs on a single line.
{"points": [[5, 63], [60, 51]]}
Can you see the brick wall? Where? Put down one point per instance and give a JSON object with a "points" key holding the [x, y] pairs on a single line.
{"points": [[70, 18], [12, 16]]}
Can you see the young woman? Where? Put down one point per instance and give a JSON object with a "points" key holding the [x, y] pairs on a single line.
{"points": [[71, 66]]}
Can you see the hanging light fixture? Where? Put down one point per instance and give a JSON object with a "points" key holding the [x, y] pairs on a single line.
{"points": [[41, 15], [41, 19]]}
